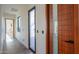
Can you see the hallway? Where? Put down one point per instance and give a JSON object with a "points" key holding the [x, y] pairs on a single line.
{"points": [[20, 21], [13, 46]]}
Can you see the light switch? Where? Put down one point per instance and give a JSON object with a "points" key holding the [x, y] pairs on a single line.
{"points": [[37, 31], [42, 31]]}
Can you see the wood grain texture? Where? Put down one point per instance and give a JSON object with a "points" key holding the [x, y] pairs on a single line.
{"points": [[76, 28], [65, 28]]}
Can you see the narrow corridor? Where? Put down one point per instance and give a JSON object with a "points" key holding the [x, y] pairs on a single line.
{"points": [[13, 46]]}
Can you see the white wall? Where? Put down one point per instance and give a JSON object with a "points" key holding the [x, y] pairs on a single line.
{"points": [[0, 30], [0, 21], [40, 24]]}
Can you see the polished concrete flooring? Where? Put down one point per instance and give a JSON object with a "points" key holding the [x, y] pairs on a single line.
{"points": [[13, 46]]}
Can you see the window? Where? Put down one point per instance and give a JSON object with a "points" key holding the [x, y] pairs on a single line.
{"points": [[18, 23], [32, 29]]}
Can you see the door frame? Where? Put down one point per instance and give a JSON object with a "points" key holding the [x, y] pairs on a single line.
{"points": [[5, 26], [49, 28], [29, 28], [76, 28]]}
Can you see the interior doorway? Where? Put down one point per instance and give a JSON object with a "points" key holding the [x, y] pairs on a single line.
{"points": [[9, 26]]}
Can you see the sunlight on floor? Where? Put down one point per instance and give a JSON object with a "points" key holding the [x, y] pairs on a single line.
{"points": [[8, 38], [13, 46]]}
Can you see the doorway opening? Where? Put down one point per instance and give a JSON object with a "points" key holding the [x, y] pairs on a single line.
{"points": [[9, 27]]}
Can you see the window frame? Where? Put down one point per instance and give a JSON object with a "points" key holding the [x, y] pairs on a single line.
{"points": [[33, 8]]}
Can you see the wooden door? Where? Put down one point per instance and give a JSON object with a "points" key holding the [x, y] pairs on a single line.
{"points": [[66, 28]]}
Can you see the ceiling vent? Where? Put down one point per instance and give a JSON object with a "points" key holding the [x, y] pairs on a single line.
{"points": [[14, 10]]}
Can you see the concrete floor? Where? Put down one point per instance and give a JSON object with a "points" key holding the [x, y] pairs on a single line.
{"points": [[13, 46]]}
